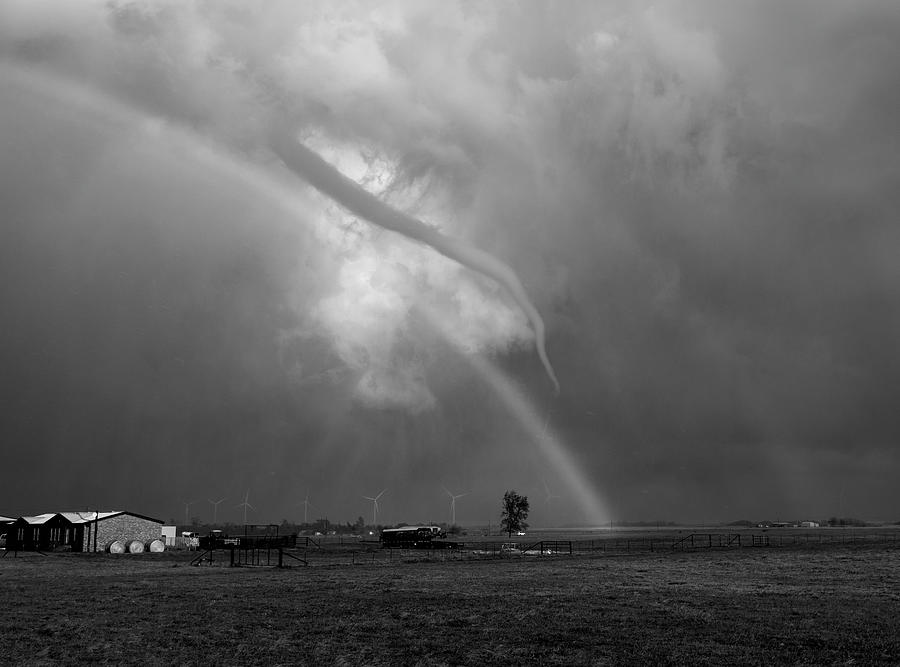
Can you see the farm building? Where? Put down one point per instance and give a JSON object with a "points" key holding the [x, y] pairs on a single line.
{"points": [[41, 532], [124, 527], [168, 535], [81, 531]]}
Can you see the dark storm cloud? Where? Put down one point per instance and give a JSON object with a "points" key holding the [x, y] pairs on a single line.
{"points": [[699, 197]]}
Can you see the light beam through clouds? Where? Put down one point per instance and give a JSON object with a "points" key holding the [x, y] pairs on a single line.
{"points": [[593, 509]]}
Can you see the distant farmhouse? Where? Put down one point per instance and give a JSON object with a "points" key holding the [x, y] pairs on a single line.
{"points": [[788, 524], [84, 531]]}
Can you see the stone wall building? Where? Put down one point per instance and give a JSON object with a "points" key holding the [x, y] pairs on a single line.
{"points": [[120, 526]]}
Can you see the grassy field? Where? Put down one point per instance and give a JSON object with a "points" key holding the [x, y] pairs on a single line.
{"points": [[828, 604]]}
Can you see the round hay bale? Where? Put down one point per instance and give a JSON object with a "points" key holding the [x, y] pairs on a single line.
{"points": [[115, 547], [156, 546], [135, 547]]}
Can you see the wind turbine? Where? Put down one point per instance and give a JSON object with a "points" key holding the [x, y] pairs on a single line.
{"points": [[306, 505], [453, 505], [375, 506], [215, 504], [245, 505], [187, 512], [549, 496]]}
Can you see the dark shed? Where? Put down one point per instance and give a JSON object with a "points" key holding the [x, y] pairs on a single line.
{"points": [[44, 532]]}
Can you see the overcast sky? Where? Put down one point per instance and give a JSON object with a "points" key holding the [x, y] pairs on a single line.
{"points": [[699, 198]]}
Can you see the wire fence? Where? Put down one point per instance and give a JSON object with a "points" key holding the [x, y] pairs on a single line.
{"points": [[362, 553]]}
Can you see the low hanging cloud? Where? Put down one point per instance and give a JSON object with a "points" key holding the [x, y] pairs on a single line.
{"points": [[697, 198]]}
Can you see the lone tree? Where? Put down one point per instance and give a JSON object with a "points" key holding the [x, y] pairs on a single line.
{"points": [[515, 511]]}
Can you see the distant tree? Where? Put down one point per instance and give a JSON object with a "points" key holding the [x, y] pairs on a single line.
{"points": [[515, 511]]}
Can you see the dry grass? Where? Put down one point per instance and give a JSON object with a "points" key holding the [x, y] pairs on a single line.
{"points": [[837, 605]]}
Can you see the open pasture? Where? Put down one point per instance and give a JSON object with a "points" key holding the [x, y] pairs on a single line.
{"points": [[829, 604]]}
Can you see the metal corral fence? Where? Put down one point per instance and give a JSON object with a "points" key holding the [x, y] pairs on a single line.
{"points": [[247, 550]]}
